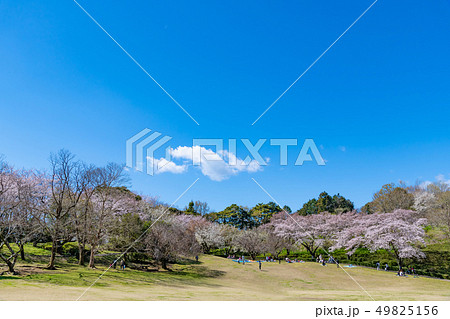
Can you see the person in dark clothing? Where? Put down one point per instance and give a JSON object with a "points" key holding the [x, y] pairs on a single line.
{"points": [[337, 262], [259, 262], [196, 258]]}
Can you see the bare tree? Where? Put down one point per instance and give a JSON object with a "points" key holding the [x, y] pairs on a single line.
{"points": [[107, 201], [251, 241], [201, 208], [168, 238], [391, 197], [67, 184], [274, 244], [80, 215]]}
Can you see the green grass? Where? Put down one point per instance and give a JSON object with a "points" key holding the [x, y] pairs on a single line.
{"points": [[29, 250]]}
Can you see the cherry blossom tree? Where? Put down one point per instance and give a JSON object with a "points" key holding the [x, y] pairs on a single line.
{"points": [[8, 205], [399, 232], [210, 236], [438, 206], [311, 231], [424, 202], [19, 198], [228, 234]]}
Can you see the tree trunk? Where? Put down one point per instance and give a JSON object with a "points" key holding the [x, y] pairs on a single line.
{"points": [[11, 266], [313, 253], [81, 252], [51, 263], [22, 251], [92, 257], [10, 263], [164, 264]]}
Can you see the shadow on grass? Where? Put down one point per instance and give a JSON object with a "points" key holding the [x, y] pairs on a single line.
{"points": [[188, 276], [8, 277], [186, 273], [186, 261], [200, 272]]}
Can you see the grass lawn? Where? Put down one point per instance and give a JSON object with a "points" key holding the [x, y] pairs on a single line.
{"points": [[29, 250], [215, 278]]}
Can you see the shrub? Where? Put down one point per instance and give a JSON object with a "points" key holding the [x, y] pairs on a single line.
{"points": [[70, 249], [46, 246]]}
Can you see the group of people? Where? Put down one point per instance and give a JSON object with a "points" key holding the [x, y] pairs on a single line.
{"points": [[409, 271], [294, 261], [331, 260], [241, 259]]}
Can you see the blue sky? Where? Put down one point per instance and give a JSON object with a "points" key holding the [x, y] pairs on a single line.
{"points": [[377, 104]]}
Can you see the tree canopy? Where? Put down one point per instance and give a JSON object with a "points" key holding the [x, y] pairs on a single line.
{"points": [[325, 203]]}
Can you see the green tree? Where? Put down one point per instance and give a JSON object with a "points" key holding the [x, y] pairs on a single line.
{"points": [[190, 210], [237, 216], [335, 204], [368, 208], [309, 208], [325, 203], [287, 209], [341, 204], [262, 213]]}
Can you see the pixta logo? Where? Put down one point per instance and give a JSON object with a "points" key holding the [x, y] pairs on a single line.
{"points": [[148, 143], [210, 154]]}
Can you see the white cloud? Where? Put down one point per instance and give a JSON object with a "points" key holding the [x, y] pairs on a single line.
{"points": [[439, 178], [217, 166], [425, 184], [164, 166]]}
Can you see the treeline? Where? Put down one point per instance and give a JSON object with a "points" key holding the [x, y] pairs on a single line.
{"points": [[242, 217]]}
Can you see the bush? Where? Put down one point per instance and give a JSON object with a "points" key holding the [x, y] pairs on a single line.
{"points": [[70, 249], [46, 246]]}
